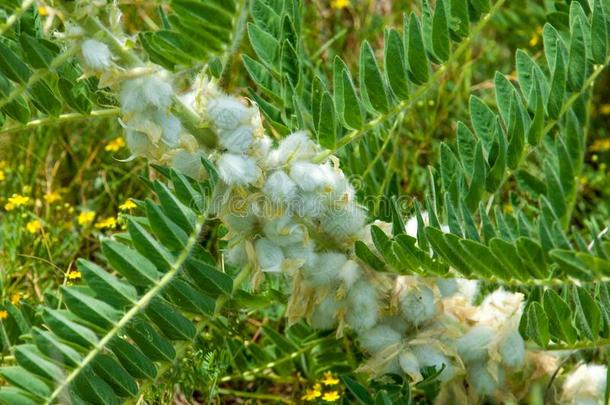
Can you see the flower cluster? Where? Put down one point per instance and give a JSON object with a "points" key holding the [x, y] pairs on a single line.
{"points": [[291, 214]]}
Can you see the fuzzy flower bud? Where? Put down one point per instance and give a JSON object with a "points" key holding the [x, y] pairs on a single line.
{"points": [[585, 386], [237, 169], [280, 188], [96, 55], [417, 304], [379, 337], [362, 308], [269, 255]]}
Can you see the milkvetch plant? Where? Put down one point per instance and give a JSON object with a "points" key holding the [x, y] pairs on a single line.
{"points": [[485, 292]]}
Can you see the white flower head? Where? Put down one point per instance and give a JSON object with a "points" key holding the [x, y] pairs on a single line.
{"points": [[302, 252], [170, 128], [482, 380], [96, 55], [309, 176], [343, 222], [145, 93], [139, 143], [280, 188], [284, 231], [431, 356], [498, 307], [379, 337], [585, 385], [409, 364], [417, 304], [363, 306], [237, 140], [324, 315], [474, 345], [512, 350], [296, 146], [229, 113], [350, 273], [236, 255], [237, 169], [269, 255], [325, 270]]}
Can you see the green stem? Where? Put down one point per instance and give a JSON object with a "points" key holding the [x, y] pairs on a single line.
{"points": [[255, 395], [578, 346], [404, 105], [15, 16], [110, 112]]}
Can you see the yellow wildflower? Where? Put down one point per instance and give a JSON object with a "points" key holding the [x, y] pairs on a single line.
{"points": [[2, 175], [33, 226], [536, 37], [115, 145], [3, 164], [16, 200], [601, 145], [73, 275], [16, 298], [42, 10], [85, 217], [605, 109], [339, 4], [109, 222], [331, 396], [51, 197], [3, 314], [329, 379], [127, 205], [312, 393]]}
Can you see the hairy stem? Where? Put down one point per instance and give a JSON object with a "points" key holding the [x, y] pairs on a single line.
{"points": [[109, 112]]}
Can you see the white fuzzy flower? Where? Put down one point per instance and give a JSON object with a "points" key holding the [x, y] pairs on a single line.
{"points": [[512, 350], [585, 386], [96, 55], [474, 345], [430, 356], [409, 364], [350, 273], [498, 307], [378, 338], [296, 146], [269, 255], [324, 315], [236, 255], [237, 169], [189, 163], [308, 205], [302, 252], [343, 222], [362, 307], [170, 128], [325, 270], [228, 113], [280, 188], [145, 93], [417, 304], [484, 382], [284, 231], [139, 143], [308, 176], [237, 140]]}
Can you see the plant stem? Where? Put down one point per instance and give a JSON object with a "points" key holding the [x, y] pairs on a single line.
{"points": [[110, 112]]}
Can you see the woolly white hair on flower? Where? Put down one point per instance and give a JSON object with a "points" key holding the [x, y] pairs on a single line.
{"points": [[237, 140], [296, 146], [362, 306], [96, 55], [379, 337], [430, 356], [142, 93], [345, 222], [269, 255], [350, 273], [585, 386], [228, 113], [236, 255], [308, 176], [237, 169], [284, 231], [139, 143], [302, 252], [482, 380], [498, 306], [280, 188], [409, 364], [474, 345], [308, 205], [326, 268], [324, 315], [512, 350], [170, 128], [417, 304]]}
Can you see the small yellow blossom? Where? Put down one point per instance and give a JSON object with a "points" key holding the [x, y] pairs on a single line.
{"points": [[600, 145], [109, 223], [115, 145], [16, 298], [2, 175], [51, 197], [85, 217], [329, 379], [339, 4], [3, 164], [605, 109], [33, 226], [73, 275], [536, 37], [16, 200], [127, 205], [3, 314], [312, 393], [331, 396], [42, 10]]}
